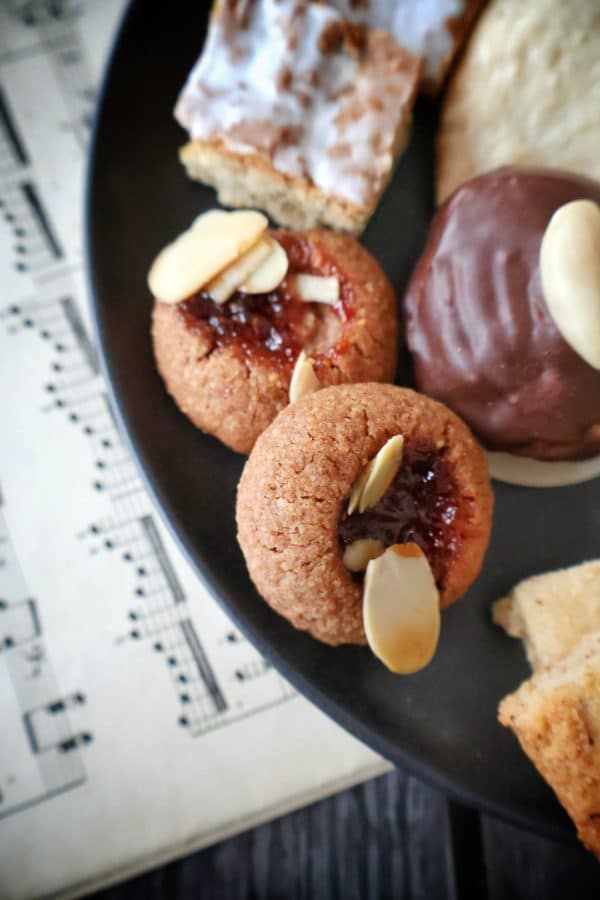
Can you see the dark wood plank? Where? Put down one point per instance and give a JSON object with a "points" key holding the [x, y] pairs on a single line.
{"points": [[528, 867], [465, 858], [392, 838], [425, 842], [383, 839]]}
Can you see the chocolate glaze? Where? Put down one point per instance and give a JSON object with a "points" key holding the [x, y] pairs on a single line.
{"points": [[420, 505], [477, 324], [277, 325]]}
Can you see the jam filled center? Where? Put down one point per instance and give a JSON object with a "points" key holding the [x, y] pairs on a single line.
{"points": [[279, 324], [421, 505]]}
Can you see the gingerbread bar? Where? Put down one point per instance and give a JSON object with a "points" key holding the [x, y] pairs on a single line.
{"points": [[297, 111], [435, 31]]}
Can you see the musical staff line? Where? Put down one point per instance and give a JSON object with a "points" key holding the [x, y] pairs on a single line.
{"points": [[160, 614], [86, 347], [216, 681], [37, 209], [12, 144], [204, 668], [46, 745]]}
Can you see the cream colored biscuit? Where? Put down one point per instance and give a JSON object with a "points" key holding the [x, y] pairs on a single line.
{"points": [[527, 92], [556, 717], [552, 612]]}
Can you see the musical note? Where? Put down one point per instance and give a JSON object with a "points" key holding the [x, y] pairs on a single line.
{"points": [[42, 718], [155, 605], [19, 623], [13, 153]]}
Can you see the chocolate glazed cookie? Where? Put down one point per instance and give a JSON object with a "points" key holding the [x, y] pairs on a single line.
{"points": [[229, 366], [293, 495], [479, 329]]}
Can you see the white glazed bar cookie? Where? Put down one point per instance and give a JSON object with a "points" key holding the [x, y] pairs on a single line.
{"points": [[294, 110], [433, 29]]}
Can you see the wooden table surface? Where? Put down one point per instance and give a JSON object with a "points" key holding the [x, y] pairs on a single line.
{"points": [[392, 837]]}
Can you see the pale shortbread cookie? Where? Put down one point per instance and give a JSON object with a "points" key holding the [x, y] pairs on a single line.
{"points": [[555, 714], [551, 613], [294, 110], [527, 92], [433, 29]]}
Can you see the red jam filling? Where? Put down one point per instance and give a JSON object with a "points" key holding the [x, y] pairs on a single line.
{"points": [[277, 325], [421, 505]]}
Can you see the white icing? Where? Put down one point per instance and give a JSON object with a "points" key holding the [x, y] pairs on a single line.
{"points": [[419, 25], [236, 85], [522, 470]]}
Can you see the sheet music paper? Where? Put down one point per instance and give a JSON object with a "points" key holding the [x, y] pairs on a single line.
{"points": [[136, 722]]}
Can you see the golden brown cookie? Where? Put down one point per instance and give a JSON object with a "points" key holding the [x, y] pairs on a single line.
{"points": [[555, 714], [293, 497], [228, 366]]}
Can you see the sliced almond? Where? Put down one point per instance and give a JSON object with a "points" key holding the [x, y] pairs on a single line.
{"points": [[383, 471], [209, 218], [357, 488], [401, 608], [212, 243], [317, 288], [271, 271], [359, 553], [304, 380], [230, 279], [570, 272]]}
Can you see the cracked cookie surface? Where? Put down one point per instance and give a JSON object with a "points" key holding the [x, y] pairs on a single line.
{"points": [[295, 487], [229, 367]]}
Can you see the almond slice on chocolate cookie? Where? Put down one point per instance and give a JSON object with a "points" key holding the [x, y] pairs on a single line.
{"points": [[570, 273]]}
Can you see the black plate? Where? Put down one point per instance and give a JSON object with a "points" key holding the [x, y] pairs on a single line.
{"points": [[441, 723]]}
